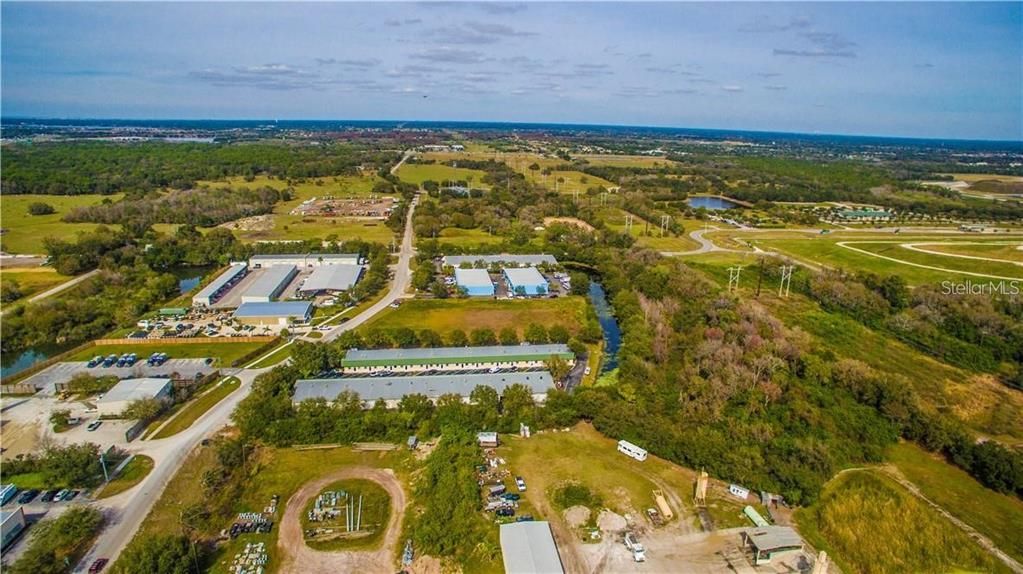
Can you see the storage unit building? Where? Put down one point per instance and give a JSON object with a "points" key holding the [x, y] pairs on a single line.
{"points": [[525, 281], [503, 260], [475, 282], [454, 358], [303, 259], [487, 439], [529, 548], [331, 278], [280, 313], [391, 389], [12, 522], [127, 391], [269, 285], [209, 294]]}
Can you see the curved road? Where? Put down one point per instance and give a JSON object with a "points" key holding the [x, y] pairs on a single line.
{"points": [[125, 512]]}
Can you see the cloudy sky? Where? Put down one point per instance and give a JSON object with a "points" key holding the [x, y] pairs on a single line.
{"points": [[931, 69]]}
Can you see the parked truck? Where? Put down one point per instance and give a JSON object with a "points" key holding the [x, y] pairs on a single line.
{"points": [[638, 552]]}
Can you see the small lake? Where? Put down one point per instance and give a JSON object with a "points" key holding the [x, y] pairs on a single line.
{"points": [[14, 363], [189, 277], [712, 203], [608, 324]]}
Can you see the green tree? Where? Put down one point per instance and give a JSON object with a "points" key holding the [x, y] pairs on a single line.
{"points": [[558, 367], [143, 409], [430, 338], [508, 336], [40, 208], [59, 419], [10, 290], [76, 464], [482, 337], [457, 338], [558, 334], [161, 554], [536, 334], [55, 540]]}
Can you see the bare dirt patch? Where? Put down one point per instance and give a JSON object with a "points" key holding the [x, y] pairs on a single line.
{"points": [[377, 208], [299, 558], [609, 521], [254, 223], [569, 221], [576, 516]]}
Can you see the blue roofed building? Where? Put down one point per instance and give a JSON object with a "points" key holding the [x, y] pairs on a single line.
{"points": [[475, 282]]}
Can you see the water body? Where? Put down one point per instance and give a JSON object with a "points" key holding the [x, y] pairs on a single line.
{"points": [[13, 364], [608, 324], [711, 203], [189, 277]]}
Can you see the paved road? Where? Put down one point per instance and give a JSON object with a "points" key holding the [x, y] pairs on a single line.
{"points": [[62, 287]]}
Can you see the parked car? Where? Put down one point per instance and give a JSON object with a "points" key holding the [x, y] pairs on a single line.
{"points": [[98, 565], [60, 495], [27, 496], [521, 484], [93, 425], [94, 361], [47, 496], [110, 360], [71, 494], [510, 496], [505, 511]]}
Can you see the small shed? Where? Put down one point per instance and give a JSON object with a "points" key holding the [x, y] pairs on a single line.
{"points": [[770, 541], [487, 439], [413, 442]]}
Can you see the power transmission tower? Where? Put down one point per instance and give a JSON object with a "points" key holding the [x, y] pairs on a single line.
{"points": [[786, 280], [628, 223], [733, 277], [760, 276], [603, 198], [665, 221]]}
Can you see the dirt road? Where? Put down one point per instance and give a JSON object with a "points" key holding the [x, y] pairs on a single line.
{"points": [[297, 557]]}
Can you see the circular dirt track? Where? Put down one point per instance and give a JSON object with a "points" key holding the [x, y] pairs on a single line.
{"points": [[299, 558]]}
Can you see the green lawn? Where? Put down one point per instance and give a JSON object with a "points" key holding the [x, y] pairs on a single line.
{"points": [[895, 251], [1009, 251], [418, 173], [197, 407], [376, 511], [276, 357], [446, 315], [132, 474], [32, 280], [226, 352], [24, 233], [869, 524], [27, 480], [997, 516]]}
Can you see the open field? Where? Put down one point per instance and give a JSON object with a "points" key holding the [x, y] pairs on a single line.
{"points": [[446, 315], [465, 237], [649, 235], [196, 407], [974, 177], [870, 524], [520, 162], [625, 160], [31, 280], [226, 351], [340, 186], [994, 515], [896, 250], [996, 250], [273, 358], [132, 474], [418, 173], [24, 233]]}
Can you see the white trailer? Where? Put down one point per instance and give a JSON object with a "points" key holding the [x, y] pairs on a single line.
{"points": [[631, 450]]}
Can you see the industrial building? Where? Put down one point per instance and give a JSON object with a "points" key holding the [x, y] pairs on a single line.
{"points": [[454, 358], [331, 279], [391, 389], [503, 260], [269, 285], [525, 281], [127, 391], [768, 542], [12, 522], [279, 313], [303, 260], [222, 284], [475, 282], [529, 548]]}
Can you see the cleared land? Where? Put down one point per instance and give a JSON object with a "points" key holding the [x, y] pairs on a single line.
{"points": [[197, 407], [418, 173], [227, 352], [994, 515], [446, 315], [24, 233], [868, 523], [371, 513], [132, 474], [467, 237]]}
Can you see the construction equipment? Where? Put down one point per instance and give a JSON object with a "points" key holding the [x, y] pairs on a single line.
{"points": [[662, 505]]}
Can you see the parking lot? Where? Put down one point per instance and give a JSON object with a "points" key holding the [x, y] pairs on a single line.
{"points": [[46, 379]]}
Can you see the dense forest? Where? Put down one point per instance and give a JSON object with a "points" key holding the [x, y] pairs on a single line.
{"points": [[203, 207]]}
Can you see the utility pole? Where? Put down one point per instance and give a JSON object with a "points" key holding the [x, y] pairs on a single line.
{"points": [[733, 277], [628, 223], [760, 276], [665, 221], [103, 461]]}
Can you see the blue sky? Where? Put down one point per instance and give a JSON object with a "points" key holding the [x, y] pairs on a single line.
{"points": [[928, 69]]}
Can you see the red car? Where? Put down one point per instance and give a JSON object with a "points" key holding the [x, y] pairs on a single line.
{"points": [[98, 565]]}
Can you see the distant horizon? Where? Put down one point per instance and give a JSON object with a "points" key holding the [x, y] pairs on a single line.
{"points": [[496, 123]]}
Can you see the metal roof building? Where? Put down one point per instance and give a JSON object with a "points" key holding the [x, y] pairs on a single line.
{"points": [[274, 313], [525, 281], [125, 392], [303, 259], [503, 258], [392, 388], [340, 277], [476, 282], [210, 293], [529, 548], [768, 541], [454, 357], [270, 284]]}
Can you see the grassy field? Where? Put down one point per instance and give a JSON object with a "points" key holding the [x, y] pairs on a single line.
{"points": [[288, 226], [446, 315], [896, 251], [31, 280], [376, 511], [197, 407], [132, 474], [1008, 251], [277, 356], [226, 352], [467, 237], [24, 233], [994, 515], [649, 235], [27, 480], [870, 524], [520, 162], [624, 485], [273, 471], [418, 173]]}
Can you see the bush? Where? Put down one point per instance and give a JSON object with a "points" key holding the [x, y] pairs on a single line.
{"points": [[57, 542], [40, 208], [575, 494]]}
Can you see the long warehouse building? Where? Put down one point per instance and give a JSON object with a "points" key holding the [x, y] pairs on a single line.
{"points": [[454, 358], [209, 294], [303, 259], [331, 279], [529, 548], [269, 285], [503, 259], [391, 389]]}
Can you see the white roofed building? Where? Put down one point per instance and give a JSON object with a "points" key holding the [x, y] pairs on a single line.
{"points": [[331, 278], [128, 391]]}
